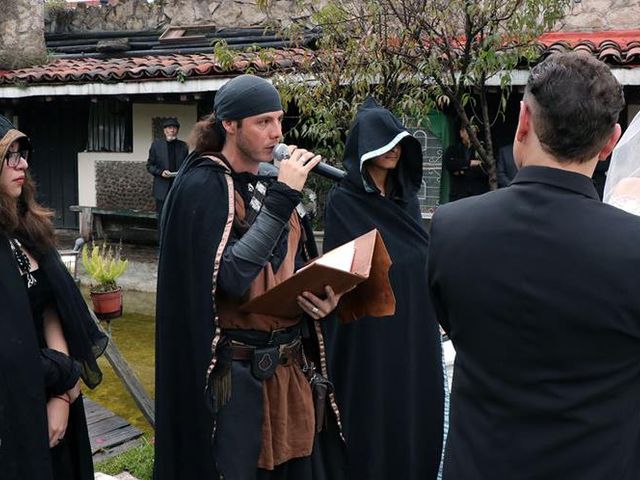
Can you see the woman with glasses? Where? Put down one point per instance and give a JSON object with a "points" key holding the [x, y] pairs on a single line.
{"points": [[48, 340]]}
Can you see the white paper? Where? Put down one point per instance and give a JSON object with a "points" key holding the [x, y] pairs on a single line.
{"points": [[340, 258]]}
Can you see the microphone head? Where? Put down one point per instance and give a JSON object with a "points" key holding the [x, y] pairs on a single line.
{"points": [[280, 152]]}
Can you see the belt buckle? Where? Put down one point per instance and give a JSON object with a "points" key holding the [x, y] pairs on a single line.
{"points": [[273, 333], [286, 351]]}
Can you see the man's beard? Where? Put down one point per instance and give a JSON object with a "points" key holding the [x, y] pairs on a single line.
{"points": [[170, 138], [246, 150]]}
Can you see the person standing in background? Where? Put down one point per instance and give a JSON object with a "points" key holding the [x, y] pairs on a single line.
{"points": [[468, 177], [165, 157]]}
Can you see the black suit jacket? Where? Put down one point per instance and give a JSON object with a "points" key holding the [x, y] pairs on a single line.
{"points": [[506, 166], [158, 161], [538, 287]]}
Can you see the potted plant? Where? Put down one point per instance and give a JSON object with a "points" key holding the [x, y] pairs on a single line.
{"points": [[104, 266]]}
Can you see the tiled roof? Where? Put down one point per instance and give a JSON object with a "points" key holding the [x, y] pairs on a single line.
{"points": [[615, 47], [153, 67]]}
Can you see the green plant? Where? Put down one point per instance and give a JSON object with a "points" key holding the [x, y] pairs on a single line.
{"points": [[413, 56], [104, 265], [138, 461], [181, 76]]}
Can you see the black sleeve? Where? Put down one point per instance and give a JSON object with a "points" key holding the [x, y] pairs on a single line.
{"points": [[61, 372], [265, 241], [455, 160], [152, 162], [432, 272]]}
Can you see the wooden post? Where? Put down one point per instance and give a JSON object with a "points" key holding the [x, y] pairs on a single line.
{"points": [[86, 223], [129, 379]]}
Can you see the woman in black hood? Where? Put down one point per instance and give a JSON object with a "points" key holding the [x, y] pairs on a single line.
{"points": [[387, 371]]}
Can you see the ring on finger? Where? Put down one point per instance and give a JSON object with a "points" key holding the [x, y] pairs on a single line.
{"points": [[315, 310]]}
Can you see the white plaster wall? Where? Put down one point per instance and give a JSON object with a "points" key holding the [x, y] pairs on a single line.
{"points": [[142, 137]]}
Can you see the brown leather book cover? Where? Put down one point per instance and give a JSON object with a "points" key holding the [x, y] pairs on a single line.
{"points": [[362, 263]]}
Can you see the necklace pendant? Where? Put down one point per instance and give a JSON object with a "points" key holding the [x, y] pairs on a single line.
{"points": [[31, 280]]}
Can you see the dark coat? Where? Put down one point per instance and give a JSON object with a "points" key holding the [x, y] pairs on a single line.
{"points": [[194, 440], [387, 371], [24, 445], [465, 180], [158, 161], [24, 451], [537, 286]]}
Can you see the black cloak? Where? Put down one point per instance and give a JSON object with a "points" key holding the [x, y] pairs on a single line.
{"points": [[24, 442], [387, 371], [24, 451], [193, 439]]}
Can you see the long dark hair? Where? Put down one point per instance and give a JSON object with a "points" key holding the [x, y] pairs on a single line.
{"points": [[207, 135], [26, 219]]}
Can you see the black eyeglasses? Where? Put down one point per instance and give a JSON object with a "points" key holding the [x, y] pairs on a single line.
{"points": [[13, 158]]}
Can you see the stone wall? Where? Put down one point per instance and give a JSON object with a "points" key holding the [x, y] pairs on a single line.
{"points": [[124, 185], [597, 15], [140, 15], [22, 41]]}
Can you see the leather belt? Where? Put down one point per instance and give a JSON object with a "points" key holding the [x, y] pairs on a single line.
{"points": [[287, 352]]}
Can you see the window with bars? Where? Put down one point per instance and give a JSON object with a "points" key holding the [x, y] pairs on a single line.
{"points": [[110, 126], [429, 193]]}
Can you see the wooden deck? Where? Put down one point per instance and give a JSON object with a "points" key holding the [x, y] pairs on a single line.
{"points": [[109, 434]]}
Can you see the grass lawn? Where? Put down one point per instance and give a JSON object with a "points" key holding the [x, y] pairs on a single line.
{"points": [[138, 462]]}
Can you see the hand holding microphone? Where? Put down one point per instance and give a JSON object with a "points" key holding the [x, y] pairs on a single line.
{"points": [[295, 165], [281, 152]]}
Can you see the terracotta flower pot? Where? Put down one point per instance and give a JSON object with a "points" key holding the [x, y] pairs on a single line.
{"points": [[107, 305]]}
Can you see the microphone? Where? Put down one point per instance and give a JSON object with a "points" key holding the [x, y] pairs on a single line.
{"points": [[281, 152]]}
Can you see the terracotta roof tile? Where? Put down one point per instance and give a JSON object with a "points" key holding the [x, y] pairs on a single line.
{"points": [[615, 47], [157, 67], [620, 48]]}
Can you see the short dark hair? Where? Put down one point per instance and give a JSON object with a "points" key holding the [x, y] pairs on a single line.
{"points": [[576, 103]]}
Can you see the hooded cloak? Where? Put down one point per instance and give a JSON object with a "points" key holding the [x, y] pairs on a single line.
{"points": [[387, 372], [24, 447], [29, 373], [195, 436]]}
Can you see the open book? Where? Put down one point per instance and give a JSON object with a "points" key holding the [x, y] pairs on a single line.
{"points": [[360, 268]]}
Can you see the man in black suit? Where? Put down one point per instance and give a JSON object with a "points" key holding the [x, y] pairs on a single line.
{"points": [[506, 166], [537, 285], [165, 157]]}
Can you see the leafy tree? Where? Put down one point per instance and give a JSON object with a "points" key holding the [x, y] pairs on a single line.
{"points": [[414, 54]]}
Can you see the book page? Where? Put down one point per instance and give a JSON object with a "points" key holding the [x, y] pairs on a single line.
{"points": [[340, 258]]}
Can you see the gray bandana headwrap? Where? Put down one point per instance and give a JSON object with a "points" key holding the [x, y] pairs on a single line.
{"points": [[245, 96]]}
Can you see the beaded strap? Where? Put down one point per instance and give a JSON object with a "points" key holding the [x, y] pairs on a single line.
{"points": [[24, 265]]}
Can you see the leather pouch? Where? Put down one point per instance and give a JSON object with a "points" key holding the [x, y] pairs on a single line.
{"points": [[321, 387], [264, 362]]}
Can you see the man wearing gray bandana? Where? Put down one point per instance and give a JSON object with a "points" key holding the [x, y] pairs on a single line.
{"points": [[240, 395]]}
